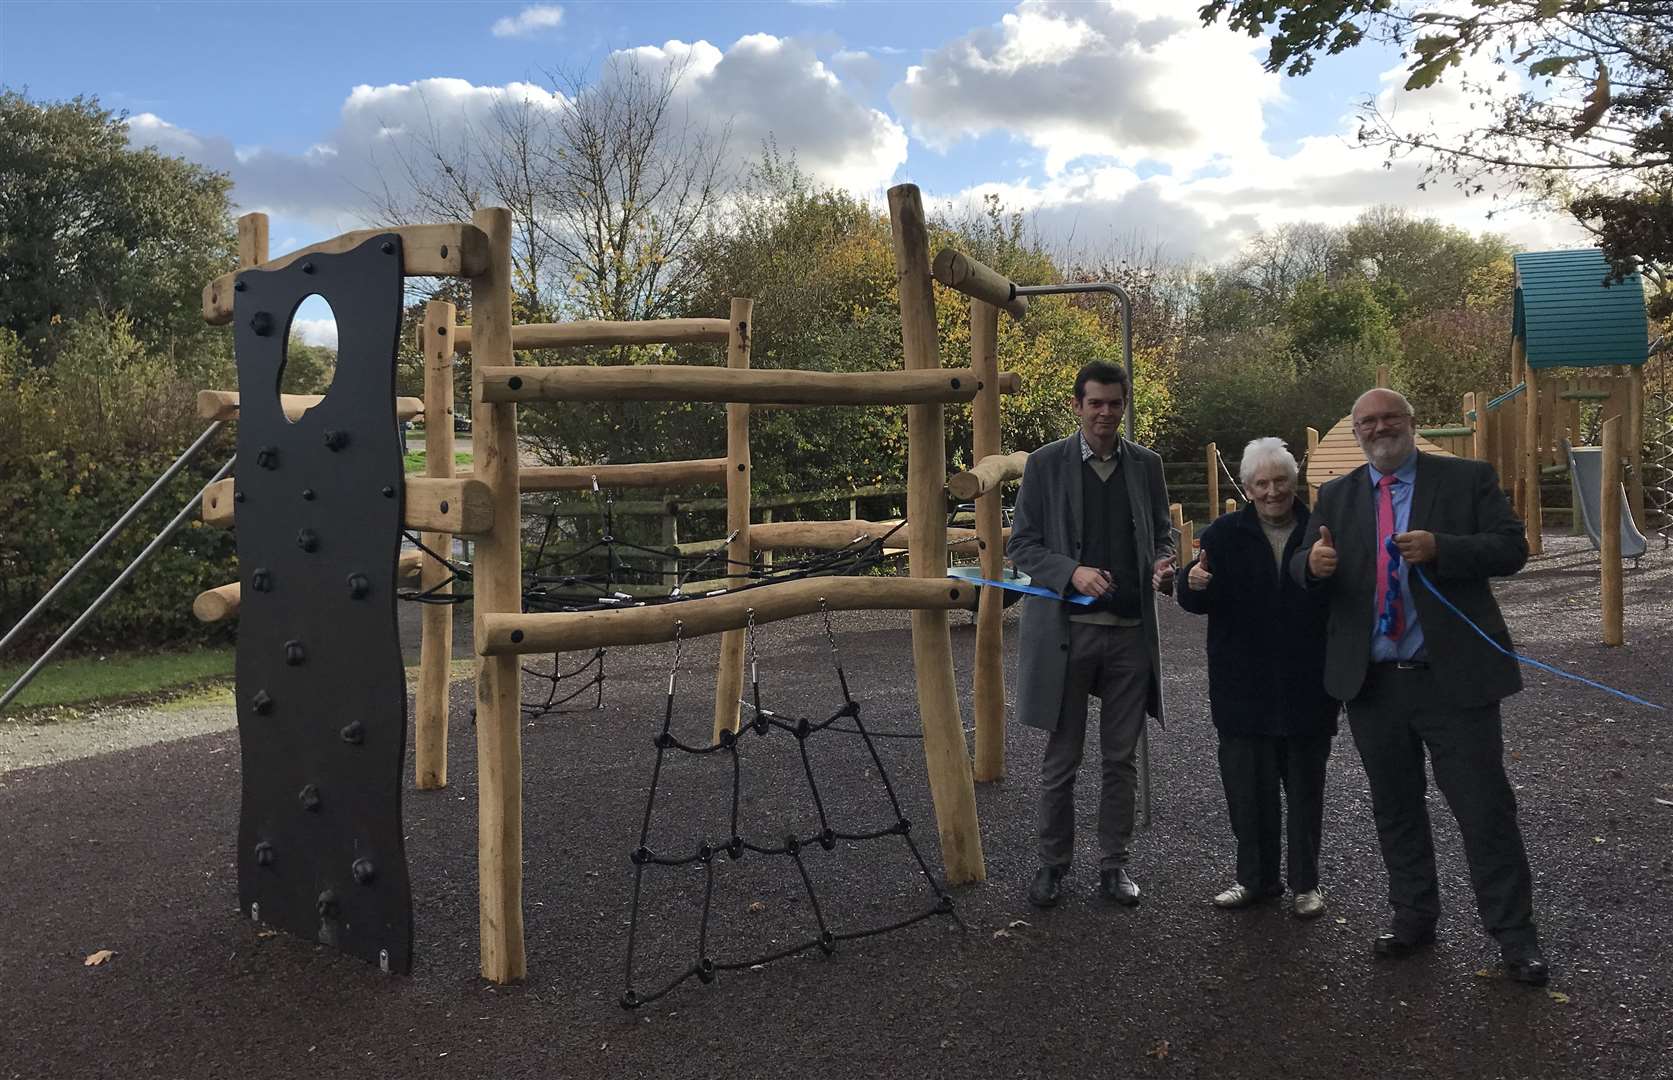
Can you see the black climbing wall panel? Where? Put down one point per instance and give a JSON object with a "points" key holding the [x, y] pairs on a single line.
{"points": [[321, 690]]}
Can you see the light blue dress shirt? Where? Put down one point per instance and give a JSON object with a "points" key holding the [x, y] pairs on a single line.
{"points": [[1410, 642]]}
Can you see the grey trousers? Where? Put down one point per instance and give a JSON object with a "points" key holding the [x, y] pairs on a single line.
{"points": [[1111, 662], [1393, 723]]}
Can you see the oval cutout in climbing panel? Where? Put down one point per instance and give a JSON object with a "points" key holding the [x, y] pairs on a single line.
{"points": [[310, 359]]}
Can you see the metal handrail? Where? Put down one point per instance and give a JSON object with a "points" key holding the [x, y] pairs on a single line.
{"points": [[162, 538], [111, 533], [1126, 328]]}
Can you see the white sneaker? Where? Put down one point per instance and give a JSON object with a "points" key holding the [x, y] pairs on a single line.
{"points": [[1235, 897], [1309, 905]]}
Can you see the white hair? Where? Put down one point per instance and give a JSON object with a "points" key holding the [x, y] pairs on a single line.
{"points": [[1270, 450]]}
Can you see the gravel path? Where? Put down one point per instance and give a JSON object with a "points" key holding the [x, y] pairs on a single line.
{"points": [[132, 851]]}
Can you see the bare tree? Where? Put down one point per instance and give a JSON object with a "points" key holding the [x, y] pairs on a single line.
{"points": [[609, 183]]}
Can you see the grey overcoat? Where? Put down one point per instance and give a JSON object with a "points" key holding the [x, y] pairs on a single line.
{"points": [[1045, 545]]}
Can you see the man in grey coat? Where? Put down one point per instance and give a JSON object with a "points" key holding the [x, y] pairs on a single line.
{"points": [[1091, 518]]}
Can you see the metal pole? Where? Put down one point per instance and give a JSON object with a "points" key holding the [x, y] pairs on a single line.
{"points": [[93, 609], [1126, 325], [1127, 362], [110, 534]]}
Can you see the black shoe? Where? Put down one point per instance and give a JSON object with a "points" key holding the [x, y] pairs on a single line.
{"points": [[1114, 883], [1047, 888], [1396, 944], [1526, 964]]}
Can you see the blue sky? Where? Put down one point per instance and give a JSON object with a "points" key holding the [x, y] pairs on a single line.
{"points": [[1112, 123]]}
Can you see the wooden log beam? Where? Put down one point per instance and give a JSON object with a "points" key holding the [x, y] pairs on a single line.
{"points": [[252, 240], [1009, 383], [460, 505], [952, 786], [672, 382], [426, 251], [831, 536], [223, 405], [729, 674], [600, 332], [989, 472], [697, 472], [221, 602], [435, 642], [498, 590], [975, 279], [510, 634]]}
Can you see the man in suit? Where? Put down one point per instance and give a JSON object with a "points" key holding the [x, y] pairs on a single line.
{"points": [[1091, 518], [1416, 678]]}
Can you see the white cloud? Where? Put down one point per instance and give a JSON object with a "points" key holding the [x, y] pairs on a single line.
{"points": [[1092, 205], [1142, 81], [337, 183], [531, 20], [316, 331], [762, 87], [768, 87]]}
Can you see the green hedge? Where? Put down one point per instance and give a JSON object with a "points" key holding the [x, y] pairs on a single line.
{"points": [[57, 505]]}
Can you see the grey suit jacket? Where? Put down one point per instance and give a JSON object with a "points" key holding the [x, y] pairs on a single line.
{"points": [[1477, 537], [1045, 544]]}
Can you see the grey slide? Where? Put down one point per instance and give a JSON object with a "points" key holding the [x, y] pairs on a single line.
{"points": [[1585, 473]]}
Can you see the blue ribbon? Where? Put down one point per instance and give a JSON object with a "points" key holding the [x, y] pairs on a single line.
{"points": [[1391, 597], [1032, 590], [1523, 659]]}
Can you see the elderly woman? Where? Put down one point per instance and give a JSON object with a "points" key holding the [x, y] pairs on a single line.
{"points": [[1266, 682]]}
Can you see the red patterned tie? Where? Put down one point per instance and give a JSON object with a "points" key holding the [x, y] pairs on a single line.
{"points": [[1385, 529]]}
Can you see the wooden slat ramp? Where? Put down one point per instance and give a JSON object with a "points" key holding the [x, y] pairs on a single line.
{"points": [[1338, 453]]}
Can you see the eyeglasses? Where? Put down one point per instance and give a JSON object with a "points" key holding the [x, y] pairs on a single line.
{"points": [[1370, 423]]}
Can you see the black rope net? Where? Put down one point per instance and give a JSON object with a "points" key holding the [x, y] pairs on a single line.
{"points": [[574, 581], [727, 845]]}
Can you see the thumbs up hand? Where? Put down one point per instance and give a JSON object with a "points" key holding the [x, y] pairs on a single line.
{"points": [[1200, 576], [1321, 559], [1161, 574]]}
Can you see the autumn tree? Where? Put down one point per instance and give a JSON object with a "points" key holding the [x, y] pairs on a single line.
{"points": [[1590, 130]]}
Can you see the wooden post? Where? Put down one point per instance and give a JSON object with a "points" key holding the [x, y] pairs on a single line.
{"points": [[1476, 402], [1312, 452], [1634, 436], [252, 240], [435, 648], [1231, 506], [1213, 456], [1512, 426], [950, 778], [1176, 513], [498, 588], [729, 677], [988, 684], [670, 542], [1530, 464], [1382, 376], [1609, 531]]}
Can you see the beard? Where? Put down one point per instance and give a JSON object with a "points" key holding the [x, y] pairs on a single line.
{"points": [[1389, 452]]}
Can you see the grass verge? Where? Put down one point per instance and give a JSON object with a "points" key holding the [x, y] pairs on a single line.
{"points": [[415, 460], [115, 678]]}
